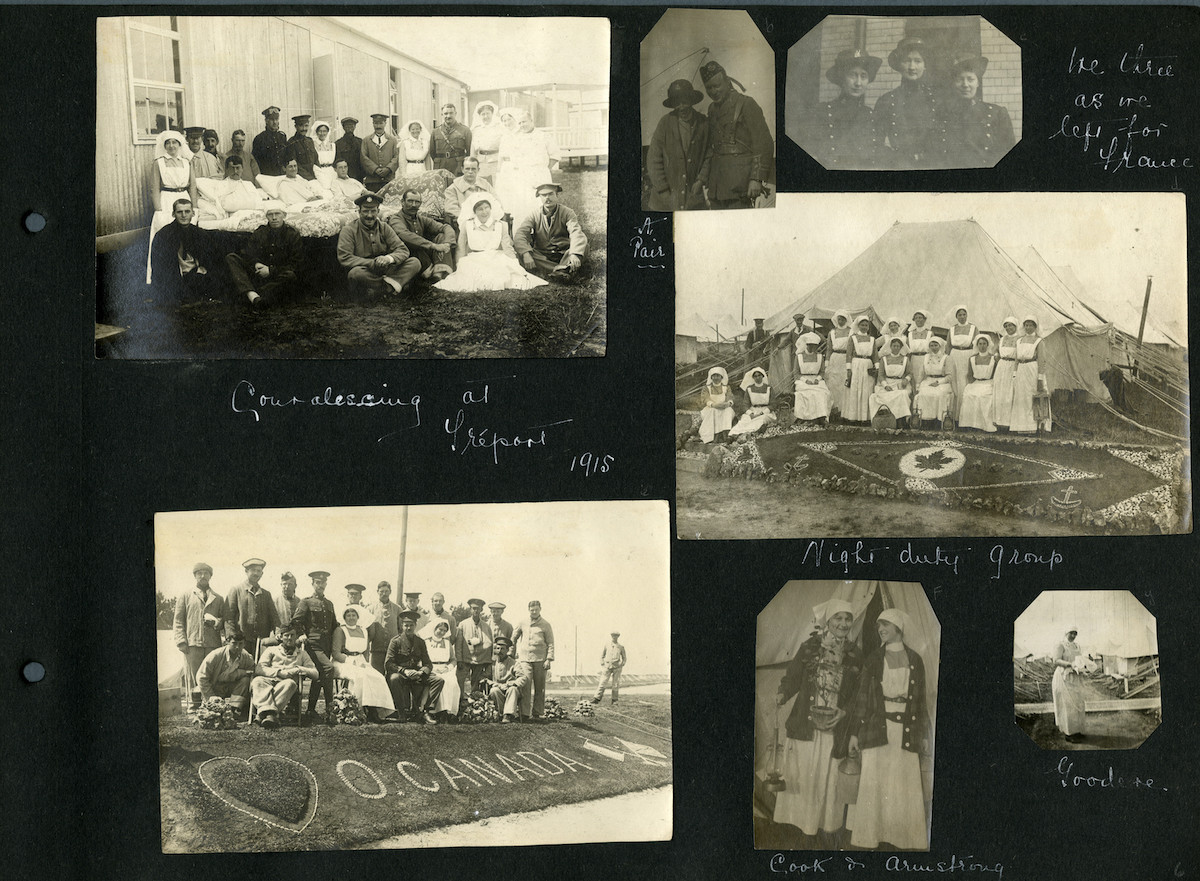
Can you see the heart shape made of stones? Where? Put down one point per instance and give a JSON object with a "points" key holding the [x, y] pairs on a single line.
{"points": [[274, 789]]}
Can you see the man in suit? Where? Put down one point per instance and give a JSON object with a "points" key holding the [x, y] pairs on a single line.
{"points": [[679, 154], [743, 150], [550, 242], [315, 621], [249, 606], [427, 239], [349, 147], [182, 258], [301, 148], [451, 142], [267, 269], [199, 624], [372, 254], [380, 155], [269, 144], [409, 672]]}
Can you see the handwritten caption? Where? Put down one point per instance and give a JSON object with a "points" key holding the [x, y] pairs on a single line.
{"points": [[648, 251], [824, 552], [1069, 778], [470, 429], [782, 865], [1121, 110]]}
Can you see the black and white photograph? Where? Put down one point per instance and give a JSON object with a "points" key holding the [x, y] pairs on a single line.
{"points": [[1085, 670], [425, 676], [846, 686], [887, 93], [322, 187], [708, 112], [935, 365]]}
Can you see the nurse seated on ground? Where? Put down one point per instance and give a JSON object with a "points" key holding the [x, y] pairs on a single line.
{"points": [[758, 389], [717, 416]]}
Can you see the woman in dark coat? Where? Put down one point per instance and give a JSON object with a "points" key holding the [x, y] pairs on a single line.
{"points": [[823, 678], [907, 119], [841, 133], [978, 134], [678, 160]]}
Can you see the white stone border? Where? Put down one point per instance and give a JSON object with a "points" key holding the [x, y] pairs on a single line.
{"points": [[311, 778]]}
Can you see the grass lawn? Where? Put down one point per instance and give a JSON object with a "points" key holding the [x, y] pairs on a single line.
{"points": [[552, 321], [330, 788]]}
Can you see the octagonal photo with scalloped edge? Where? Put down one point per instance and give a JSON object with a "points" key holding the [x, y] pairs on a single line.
{"points": [[846, 688], [1085, 670], [867, 93]]}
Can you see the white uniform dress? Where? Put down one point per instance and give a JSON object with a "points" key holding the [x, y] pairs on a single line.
{"points": [[839, 338], [758, 415], [439, 656], [891, 800], [978, 399], [935, 397], [175, 175], [1069, 709], [962, 347], [415, 152], [813, 398], [714, 419], [918, 347], [1002, 393], [323, 171], [889, 391], [485, 146], [489, 264], [366, 683], [1025, 387], [525, 160], [857, 404]]}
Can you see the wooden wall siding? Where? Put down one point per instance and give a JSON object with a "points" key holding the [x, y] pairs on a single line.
{"points": [[362, 87], [122, 168], [416, 99]]}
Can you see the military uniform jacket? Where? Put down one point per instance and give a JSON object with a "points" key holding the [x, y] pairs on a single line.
{"points": [[349, 147], [449, 146], [841, 134], [908, 120], [358, 246], [373, 156], [977, 135], [268, 148], [674, 164], [407, 653], [164, 253], [421, 231], [316, 619], [190, 625], [304, 151], [254, 614], [743, 149], [280, 249], [867, 719]]}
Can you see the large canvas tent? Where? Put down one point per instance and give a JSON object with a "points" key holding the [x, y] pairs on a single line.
{"points": [[939, 265], [1110, 622]]}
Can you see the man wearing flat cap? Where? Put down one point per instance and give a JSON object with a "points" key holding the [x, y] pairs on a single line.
{"points": [[534, 640], [550, 242], [249, 606], [409, 673], [301, 148], [204, 163], [512, 684], [199, 624], [841, 133], [499, 626], [375, 259], [315, 620], [743, 151], [612, 662], [473, 648], [679, 155], [349, 148], [287, 601], [386, 626], [226, 672], [380, 155], [269, 144]]}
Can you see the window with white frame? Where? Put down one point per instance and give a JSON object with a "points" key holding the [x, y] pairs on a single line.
{"points": [[155, 78]]}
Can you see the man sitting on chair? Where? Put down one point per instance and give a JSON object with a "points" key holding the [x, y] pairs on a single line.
{"points": [[277, 679], [408, 672], [226, 672], [550, 242], [512, 688]]}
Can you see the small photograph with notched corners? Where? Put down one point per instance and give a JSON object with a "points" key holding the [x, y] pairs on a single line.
{"points": [[846, 687], [1085, 670], [867, 93]]}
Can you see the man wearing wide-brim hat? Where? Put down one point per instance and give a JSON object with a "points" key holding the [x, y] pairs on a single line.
{"points": [[349, 147], [369, 250], [677, 162], [269, 144], [550, 241], [612, 662], [841, 133], [743, 158]]}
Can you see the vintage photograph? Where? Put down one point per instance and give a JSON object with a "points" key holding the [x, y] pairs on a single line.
{"points": [[935, 364], [398, 677], [1085, 670], [321, 187], [882, 93], [708, 112], [846, 684]]}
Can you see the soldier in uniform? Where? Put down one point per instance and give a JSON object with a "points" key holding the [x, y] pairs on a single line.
{"points": [[977, 134], [743, 150], [841, 133], [908, 118], [349, 147], [427, 238], [451, 142], [315, 621], [301, 148], [410, 673], [268, 145], [372, 254], [380, 155]]}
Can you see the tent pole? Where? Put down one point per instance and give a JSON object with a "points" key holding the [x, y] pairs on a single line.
{"points": [[1142, 325]]}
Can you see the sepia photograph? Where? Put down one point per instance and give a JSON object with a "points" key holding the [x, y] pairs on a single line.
{"points": [[322, 187], [846, 685], [884, 93], [1085, 670], [708, 112], [935, 365], [390, 677]]}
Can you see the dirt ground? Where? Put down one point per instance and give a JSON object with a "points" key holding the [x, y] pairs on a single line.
{"points": [[552, 321], [1122, 729]]}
